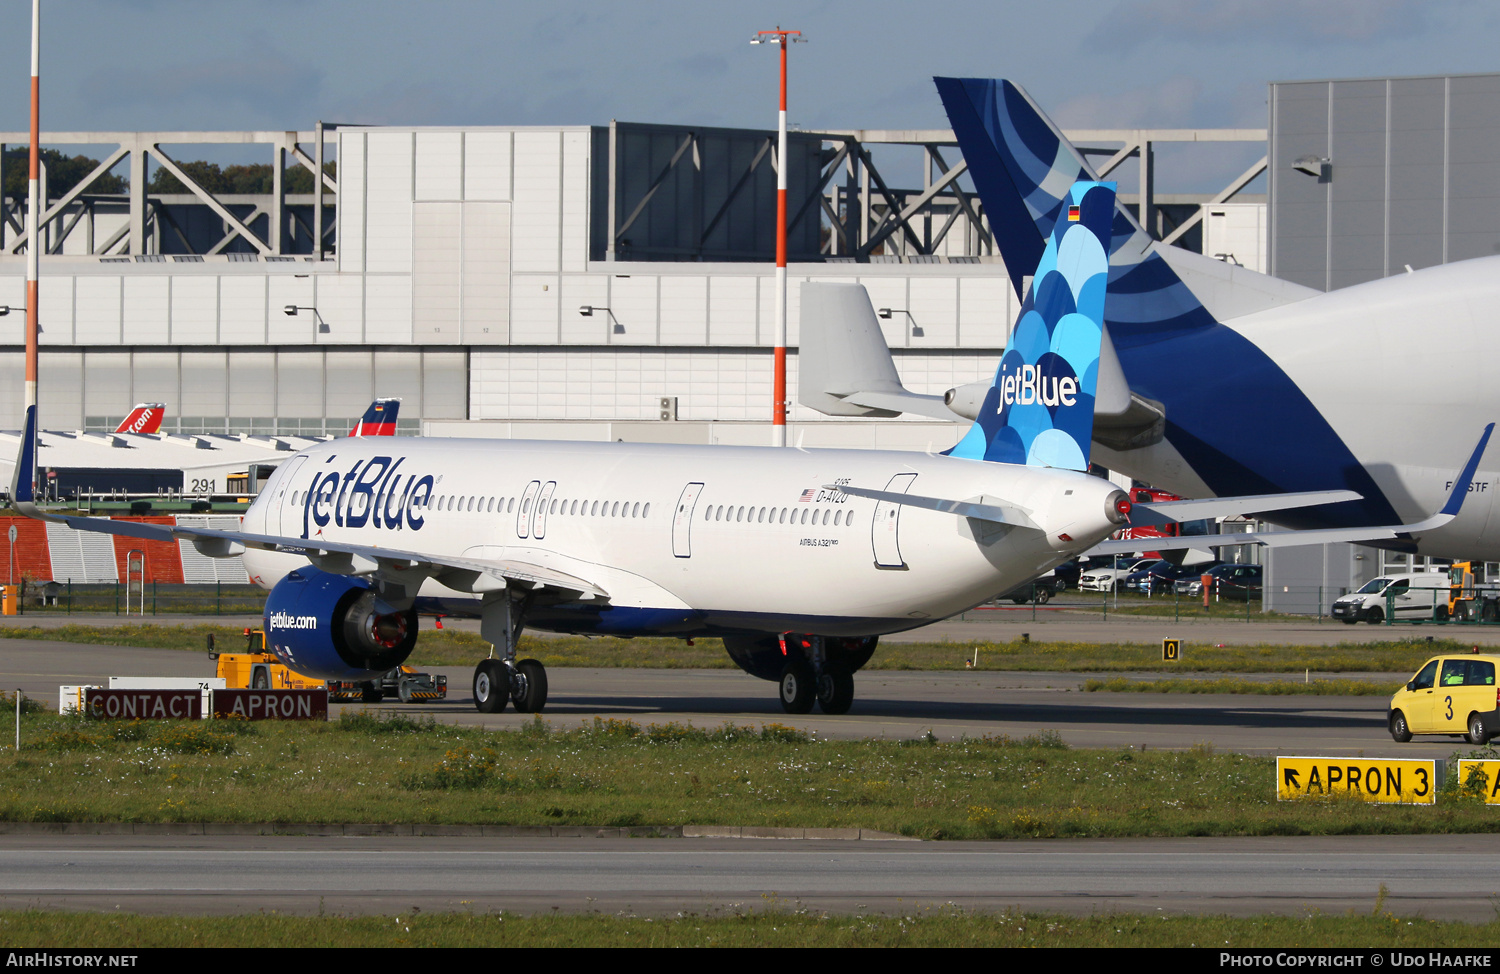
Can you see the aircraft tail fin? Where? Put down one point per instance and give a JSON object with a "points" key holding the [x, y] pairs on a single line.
{"points": [[844, 367], [1022, 165], [146, 417], [1040, 408], [379, 419]]}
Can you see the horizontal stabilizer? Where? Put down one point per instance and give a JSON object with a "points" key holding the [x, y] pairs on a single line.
{"points": [[980, 510]]}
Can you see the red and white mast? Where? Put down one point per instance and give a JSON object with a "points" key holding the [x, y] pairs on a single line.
{"points": [[33, 224], [778, 405]]}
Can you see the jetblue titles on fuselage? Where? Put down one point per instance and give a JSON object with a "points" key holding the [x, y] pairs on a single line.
{"points": [[376, 492]]}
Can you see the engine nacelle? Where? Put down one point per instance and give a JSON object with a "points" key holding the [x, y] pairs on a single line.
{"points": [[766, 656], [335, 627]]}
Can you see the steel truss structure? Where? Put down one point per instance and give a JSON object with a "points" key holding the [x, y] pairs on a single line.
{"points": [[151, 216], [700, 195], [863, 216]]}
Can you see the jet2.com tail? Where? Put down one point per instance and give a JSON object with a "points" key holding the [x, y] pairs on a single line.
{"points": [[1040, 409]]}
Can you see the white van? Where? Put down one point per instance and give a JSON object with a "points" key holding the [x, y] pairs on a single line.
{"points": [[1417, 595]]}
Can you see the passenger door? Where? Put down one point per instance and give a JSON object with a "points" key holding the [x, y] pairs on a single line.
{"points": [[886, 527], [523, 511], [539, 529], [682, 521]]}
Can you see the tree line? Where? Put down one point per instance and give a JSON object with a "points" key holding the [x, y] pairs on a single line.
{"points": [[65, 172]]}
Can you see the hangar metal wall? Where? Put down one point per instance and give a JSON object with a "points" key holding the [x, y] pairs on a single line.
{"points": [[1405, 171]]}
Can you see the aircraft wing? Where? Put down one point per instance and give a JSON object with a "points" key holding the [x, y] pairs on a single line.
{"points": [[1152, 514], [1383, 532]]}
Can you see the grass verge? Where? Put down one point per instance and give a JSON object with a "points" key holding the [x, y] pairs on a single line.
{"points": [[774, 925], [450, 647], [1277, 688], [365, 768]]}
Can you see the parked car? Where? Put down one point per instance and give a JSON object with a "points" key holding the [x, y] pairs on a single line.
{"points": [[1164, 581], [1039, 589], [1415, 595], [1239, 583], [1140, 577], [1102, 578]]}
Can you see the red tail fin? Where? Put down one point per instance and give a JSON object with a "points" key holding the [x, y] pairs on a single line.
{"points": [[144, 418]]}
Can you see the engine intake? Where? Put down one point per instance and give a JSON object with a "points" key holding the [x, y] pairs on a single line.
{"points": [[335, 627]]}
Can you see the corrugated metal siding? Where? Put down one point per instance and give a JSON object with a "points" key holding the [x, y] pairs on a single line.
{"points": [[486, 273], [536, 225], [147, 309], [388, 211], [351, 214], [195, 311], [98, 303], [439, 166], [242, 310], [437, 273], [80, 556], [201, 570]]}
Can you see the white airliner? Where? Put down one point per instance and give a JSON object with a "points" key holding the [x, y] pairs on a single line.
{"points": [[799, 559]]}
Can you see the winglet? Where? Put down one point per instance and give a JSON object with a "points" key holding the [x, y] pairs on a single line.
{"points": [[1465, 479]]}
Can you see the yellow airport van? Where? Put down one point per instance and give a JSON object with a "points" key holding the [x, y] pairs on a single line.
{"points": [[1453, 695]]}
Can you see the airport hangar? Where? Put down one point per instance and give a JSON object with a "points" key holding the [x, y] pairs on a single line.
{"points": [[616, 282]]}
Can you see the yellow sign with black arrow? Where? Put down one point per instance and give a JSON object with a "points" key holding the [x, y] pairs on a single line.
{"points": [[1481, 778], [1399, 782]]}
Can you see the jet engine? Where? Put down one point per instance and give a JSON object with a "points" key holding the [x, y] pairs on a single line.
{"points": [[336, 627]]}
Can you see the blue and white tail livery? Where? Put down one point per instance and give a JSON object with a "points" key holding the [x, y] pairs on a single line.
{"points": [[1040, 409]]}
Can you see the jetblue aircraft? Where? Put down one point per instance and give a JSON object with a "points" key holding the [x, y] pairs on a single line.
{"points": [[1227, 381], [799, 559]]}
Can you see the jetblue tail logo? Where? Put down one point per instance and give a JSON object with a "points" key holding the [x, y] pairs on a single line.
{"points": [[1040, 410]]}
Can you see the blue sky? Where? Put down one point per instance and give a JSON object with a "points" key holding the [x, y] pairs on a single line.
{"points": [[276, 64]]}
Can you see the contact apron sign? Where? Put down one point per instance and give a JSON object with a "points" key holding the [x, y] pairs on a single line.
{"points": [[1398, 782]]}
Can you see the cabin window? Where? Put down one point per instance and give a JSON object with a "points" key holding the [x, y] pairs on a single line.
{"points": [[838, 518], [646, 511]]}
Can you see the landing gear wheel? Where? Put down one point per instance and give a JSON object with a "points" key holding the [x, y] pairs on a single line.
{"points": [[1476, 735], [798, 688], [528, 686], [491, 686], [1400, 733], [1375, 617], [370, 693], [835, 689]]}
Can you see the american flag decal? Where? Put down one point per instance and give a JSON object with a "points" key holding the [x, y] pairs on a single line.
{"points": [[807, 495]]}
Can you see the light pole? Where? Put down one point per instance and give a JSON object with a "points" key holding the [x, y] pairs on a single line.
{"points": [[778, 406]]}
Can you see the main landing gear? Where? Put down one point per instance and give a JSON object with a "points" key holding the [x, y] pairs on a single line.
{"points": [[820, 669], [506, 679]]}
